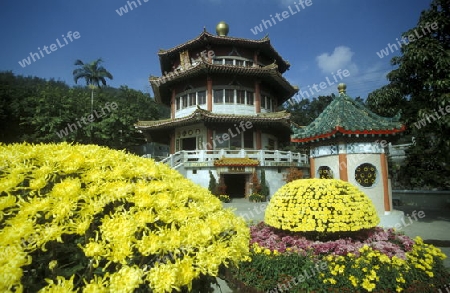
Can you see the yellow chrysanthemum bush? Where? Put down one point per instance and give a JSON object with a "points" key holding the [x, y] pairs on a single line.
{"points": [[321, 235], [320, 205], [82, 218]]}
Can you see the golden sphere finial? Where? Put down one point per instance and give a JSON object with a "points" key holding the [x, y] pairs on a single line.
{"points": [[342, 87], [222, 29]]}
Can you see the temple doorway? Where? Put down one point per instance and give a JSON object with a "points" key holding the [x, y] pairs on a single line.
{"points": [[188, 144], [235, 184]]}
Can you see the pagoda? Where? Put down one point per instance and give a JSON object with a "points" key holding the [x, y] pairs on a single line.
{"points": [[345, 143], [223, 93]]}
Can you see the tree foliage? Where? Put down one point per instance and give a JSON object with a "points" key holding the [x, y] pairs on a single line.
{"points": [[419, 86], [304, 111], [264, 188], [36, 110], [93, 73]]}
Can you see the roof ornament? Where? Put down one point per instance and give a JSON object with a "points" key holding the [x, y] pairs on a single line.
{"points": [[222, 29], [342, 87]]}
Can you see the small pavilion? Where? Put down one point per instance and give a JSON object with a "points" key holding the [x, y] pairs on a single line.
{"points": [[345, 144]]}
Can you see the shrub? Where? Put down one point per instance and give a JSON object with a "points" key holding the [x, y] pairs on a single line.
{"points": [[264, 188], [293, 174], [212, 187], [224, 198], [256, 187], [222, 187], [256, 197], [377, 260], [86, 217], [320, 205]]}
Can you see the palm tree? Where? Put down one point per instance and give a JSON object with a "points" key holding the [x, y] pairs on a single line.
{"points": [[93, 73]]}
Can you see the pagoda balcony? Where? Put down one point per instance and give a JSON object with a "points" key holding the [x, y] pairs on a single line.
{"points": [[206, 158]]}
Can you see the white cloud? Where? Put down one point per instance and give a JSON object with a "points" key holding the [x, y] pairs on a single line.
{"points": [[341, 58]]}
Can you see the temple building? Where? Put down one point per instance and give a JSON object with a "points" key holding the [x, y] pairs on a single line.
{"points": [[223, 93], [345, 143]]}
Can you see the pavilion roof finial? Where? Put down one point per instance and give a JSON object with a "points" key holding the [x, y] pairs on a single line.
{"points": [[342, 87]]}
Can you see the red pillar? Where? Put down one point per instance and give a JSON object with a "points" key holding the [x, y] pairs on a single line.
{"points": [[209, 99], [257, 97], [384, 176]]}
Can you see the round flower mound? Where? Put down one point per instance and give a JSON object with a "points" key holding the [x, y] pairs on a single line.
{"points": [[82, 218], [320, 205]]}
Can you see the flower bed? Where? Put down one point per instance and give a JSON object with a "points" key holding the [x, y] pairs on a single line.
{"points": [[85, 217], [320, 205], [338, 258]]}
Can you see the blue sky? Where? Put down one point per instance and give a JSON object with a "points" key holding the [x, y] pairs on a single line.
{"points": [[318, 40]]}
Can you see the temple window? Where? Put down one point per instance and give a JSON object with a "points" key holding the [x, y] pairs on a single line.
{"points": [[250, 98], [233, 96], [192, 99], [240, 96], [201, 98], [366, 174], [218, 96], [236, 140], [234, 61], [229, 96], [240, 62], [325, 172], [248, 139], [229, 62]]}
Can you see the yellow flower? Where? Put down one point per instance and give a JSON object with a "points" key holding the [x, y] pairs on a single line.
{"points": [[62, 285], [303, 206], [125, 208]]}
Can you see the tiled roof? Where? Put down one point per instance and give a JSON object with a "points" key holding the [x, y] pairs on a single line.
{"points": [[346, 117], [236, 162], [205, 38], [269, 74], [207, 116]]}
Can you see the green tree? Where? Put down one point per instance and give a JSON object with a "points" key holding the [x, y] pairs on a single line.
{"points": [[93, 73], [36, 110], [264, 188], [212, 187], [422, 78], [386, 101], [304, 111]]}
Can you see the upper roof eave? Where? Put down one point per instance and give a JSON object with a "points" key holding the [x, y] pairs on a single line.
{"points": [[201, 114], [206, 38], [266, 72]]}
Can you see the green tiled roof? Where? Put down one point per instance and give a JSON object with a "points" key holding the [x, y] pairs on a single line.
{"points": [[346, 117]]}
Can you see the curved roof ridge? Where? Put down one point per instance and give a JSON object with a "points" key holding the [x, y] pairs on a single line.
{"points": [[346, 116], [206, 37]]}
